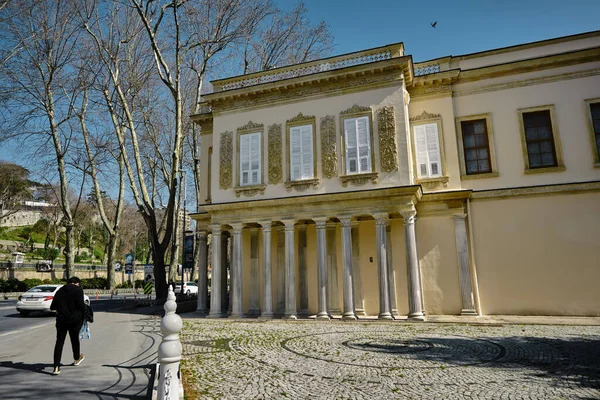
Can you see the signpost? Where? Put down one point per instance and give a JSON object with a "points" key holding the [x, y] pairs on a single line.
{"points": [[129, 266], [148, 279]]}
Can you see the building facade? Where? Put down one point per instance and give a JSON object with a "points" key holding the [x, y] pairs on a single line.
{"points": [[366, 184]]}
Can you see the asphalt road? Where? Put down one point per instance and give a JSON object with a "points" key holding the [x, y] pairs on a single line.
{"points": [[120, 356]]}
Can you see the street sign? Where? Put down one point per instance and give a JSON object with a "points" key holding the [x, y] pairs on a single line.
{"points": [[188, 251], [148, 273], [129, 263]]}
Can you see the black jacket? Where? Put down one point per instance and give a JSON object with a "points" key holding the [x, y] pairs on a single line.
{"points": [[68, 303]]}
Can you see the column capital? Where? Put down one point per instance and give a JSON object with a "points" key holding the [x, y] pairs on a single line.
{"points": [[237, 228], [266, 226], [459, 216], [345, 221], [381, 218], [215, 229], [321, 222], [409, 216], [289, 224], [202, 234]]}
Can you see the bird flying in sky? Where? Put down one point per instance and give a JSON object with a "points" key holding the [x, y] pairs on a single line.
{"points": [[434, 24]]}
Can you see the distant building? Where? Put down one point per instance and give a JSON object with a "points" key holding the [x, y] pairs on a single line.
{"points": [[366, 184]]}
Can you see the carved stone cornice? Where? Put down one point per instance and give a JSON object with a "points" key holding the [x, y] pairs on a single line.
{"points": [[275, 154], [328, 147], [302, 185], [301, 118], [430, 90], [432, 183], [250, 191], [226, 160], [424, 116], [356, 109], [250, 126], [388, 150], [359, 179]]}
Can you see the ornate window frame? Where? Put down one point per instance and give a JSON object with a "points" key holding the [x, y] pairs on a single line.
{"points": [[358, 179], [560, 166], [590, 124], [250, 190], [426, 118], [300, 184], [491, 146]]}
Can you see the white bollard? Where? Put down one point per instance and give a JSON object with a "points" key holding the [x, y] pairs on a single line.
{"points": [[169, 351]]}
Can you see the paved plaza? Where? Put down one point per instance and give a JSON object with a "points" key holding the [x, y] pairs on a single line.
{"points": [[251, 359]]}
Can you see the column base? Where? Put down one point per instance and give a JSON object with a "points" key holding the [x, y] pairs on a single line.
{"points": [[266, 315], [236, 315], [416, 317], [468, 312], [349, 317], [360, 311], [385, 316], [323, 316], [290, 316], [395, 313], [214, 315]]}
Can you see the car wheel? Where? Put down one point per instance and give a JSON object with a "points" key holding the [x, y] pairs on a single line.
{"points": [[187, 293], [24, 313]]}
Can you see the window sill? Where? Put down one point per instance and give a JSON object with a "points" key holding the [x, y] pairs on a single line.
{"points": [[480, 176], [302, 185], [249, 191], [432, 183], [359, 179], [560, 168]]}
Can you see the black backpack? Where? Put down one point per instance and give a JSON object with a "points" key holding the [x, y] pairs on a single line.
{"points": [[88, 315]]}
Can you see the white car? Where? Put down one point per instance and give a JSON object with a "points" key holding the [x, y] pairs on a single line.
{"points": [[39, 298], [188, 288]]}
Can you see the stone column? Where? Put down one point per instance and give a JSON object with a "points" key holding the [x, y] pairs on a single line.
{"points": [[290, 271], [390, 268], [280, 270], [347, 269], [254, 309], [215, 283], [332, 271], [302, 277], [384, 294], [359, 307], [225, 268], [267, 309], [415, 297], [236, 272], [322, 268], [464, 265], [201, 307]]}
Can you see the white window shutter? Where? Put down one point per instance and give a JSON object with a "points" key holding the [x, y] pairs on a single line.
{"points": [[421, 150], [433, 150], [351, 146], [364, 145], [307, 152], [295, 153]]}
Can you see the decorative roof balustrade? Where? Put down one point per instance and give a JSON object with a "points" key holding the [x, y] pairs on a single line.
{"points": [[426, 68], [294, 71]]}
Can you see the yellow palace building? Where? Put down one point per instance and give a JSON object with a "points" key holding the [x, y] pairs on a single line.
{"points": [[368, 184]]}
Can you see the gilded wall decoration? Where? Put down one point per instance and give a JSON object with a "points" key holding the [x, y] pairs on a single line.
{"points": [[251, 126], [424, 116], [328, 147], [226, 160], [356, 109], [388, 150], [301, 117], [275, 146]]}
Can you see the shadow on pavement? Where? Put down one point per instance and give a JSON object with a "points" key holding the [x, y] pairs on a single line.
{"points": [[39, 367]]}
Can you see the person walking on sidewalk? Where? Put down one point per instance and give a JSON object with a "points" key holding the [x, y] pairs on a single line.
{"points": [[70, 308]]}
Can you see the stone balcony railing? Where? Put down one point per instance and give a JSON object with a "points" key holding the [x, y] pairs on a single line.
{"points": [[294, 71]]}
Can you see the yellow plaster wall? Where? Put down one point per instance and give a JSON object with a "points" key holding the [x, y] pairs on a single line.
{"points": [[436, 246], [538, 255]]}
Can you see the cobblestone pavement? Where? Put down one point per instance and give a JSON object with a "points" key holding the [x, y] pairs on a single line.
{"points": [[250, 359]]}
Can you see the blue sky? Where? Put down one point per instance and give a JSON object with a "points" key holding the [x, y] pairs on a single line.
{"points": [[463, 26]]}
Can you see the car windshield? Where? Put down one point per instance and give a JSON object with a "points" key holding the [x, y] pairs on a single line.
{"points": [[42, 289]]}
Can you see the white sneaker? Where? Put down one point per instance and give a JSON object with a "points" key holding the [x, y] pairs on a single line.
{"points": [[79, 360], [56, 371]]}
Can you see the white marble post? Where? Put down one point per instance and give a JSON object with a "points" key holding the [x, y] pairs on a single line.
{"points": [[390, 269], [225, 268], [384, 294], [464, 265], [333, 296], [267, 310], [359, 307], [290, 271], [215, 282], [322, 313], [347, 269], [169, 351], [254, 309], [302, 274], [415, 297], [201, 306], [280, 270], [236, 272]]}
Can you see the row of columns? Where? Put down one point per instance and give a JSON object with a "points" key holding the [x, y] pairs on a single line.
{"points": [[326, 270]]}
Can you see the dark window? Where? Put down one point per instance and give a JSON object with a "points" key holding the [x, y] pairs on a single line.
{"points": [[540, 140], [595, 109], [476, 146]]}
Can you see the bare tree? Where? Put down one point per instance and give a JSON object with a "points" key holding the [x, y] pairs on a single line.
{"points": [[14, 188]]}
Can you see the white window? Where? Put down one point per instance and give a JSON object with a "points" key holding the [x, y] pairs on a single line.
{"points": [[358, 145], [427, 147], [250, 159], [301, 153]]}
